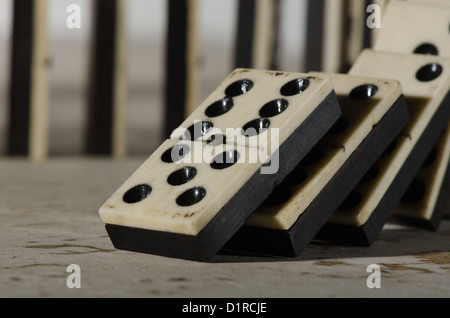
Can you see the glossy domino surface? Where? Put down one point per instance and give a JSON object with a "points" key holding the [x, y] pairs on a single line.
{"points": [[196, 190]]}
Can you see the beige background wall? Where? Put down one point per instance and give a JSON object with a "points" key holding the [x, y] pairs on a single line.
{"points": [[146, 29]]}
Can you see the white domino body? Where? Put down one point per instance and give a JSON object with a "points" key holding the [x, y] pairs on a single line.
{"points": [[427, 103], [220, 197], [415, 27]]}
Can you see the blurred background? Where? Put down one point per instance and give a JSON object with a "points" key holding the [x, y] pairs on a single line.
{"points": [[146, 24]]}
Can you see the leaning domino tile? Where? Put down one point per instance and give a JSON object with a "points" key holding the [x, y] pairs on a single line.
{"points": [[373, 113], [190, 208], [410, 27], [247, 106], [425, 82], [424, 203]]}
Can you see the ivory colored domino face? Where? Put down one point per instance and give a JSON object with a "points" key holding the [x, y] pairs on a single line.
{"points": [[364, 101], [189, 197], [156, 189], [420, 202], [255, 102], [413, 27], [425, 82]]}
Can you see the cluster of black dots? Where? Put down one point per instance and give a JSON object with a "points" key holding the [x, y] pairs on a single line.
{"points": [[431, 71], [253, 127], [198, 130], [182, 176], [299, 174], [217, 109]]}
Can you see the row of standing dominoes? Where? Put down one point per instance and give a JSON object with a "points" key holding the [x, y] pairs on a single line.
{"points": [[28, 130], [350, 146], [107, 91]]}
